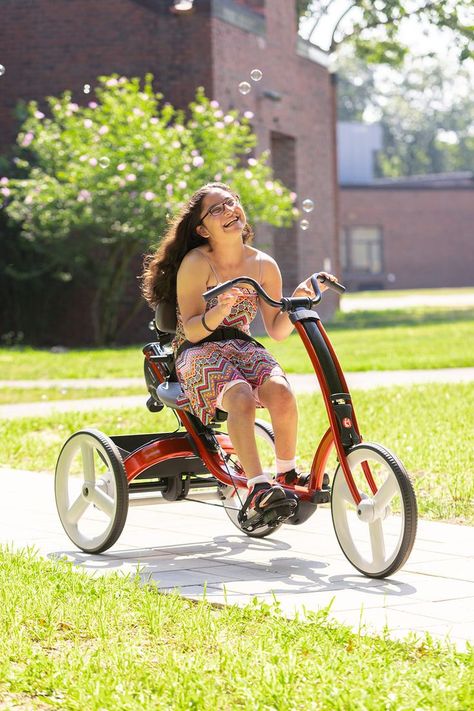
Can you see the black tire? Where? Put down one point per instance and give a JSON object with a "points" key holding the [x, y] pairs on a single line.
{"points": [[264, 432], [391, 515], [92, 452]]}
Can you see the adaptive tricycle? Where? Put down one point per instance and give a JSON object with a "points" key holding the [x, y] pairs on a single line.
{"points": [[373, 504]]}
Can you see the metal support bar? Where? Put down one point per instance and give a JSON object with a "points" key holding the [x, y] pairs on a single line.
{"points": [[141, 499]]}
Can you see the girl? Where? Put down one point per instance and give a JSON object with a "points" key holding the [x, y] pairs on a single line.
{"points": [[218, 364]]}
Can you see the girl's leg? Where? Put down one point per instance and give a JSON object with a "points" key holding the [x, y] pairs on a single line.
{"points": [[275, 394], [239, 403]]}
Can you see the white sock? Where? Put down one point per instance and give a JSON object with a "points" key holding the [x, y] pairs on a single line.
{"points": [[259, 479], [285, 465]]}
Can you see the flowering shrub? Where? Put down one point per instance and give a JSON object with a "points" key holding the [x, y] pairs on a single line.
{"points": [[100, 180]]}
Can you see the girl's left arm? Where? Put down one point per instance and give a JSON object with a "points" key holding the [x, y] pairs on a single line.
{"points": [[277, 323]]}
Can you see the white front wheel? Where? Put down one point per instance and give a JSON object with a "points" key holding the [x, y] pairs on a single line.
{"points": [[376, 535], [91, 491]]}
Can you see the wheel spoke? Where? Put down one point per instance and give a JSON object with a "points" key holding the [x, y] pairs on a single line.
{"points": [[385, 494], [377, 542], [102, 501], [77, 509], [88, 461], [344, 491]]}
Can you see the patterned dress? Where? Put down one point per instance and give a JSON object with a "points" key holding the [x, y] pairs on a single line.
{"points": [[205, 370]]}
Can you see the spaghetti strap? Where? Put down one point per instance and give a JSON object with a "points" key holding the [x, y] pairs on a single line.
{"points": [[210, 264], [260, 266]]}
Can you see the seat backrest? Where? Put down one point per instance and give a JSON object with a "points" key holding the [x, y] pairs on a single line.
{"points": [[165, 317]]}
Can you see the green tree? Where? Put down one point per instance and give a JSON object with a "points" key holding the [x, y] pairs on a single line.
{"points": [[373, 27], [426, 111], [99, 182]]}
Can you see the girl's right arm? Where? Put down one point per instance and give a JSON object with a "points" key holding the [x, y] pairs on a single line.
{"points": [[192, 280]]}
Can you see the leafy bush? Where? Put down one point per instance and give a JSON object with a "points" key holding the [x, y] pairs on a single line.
{"points": [[99, 182]]}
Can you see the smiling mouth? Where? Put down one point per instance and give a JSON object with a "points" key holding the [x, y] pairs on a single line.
{"points": [[234, 219]]}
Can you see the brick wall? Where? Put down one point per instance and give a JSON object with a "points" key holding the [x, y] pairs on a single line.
{"points": [[48, 46], [428, 234], [304, 115]]}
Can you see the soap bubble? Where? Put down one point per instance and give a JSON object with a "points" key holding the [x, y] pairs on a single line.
{"points": [[104, 162], [307, 205], [2, 70], [256, 75], [304, 224], [87, 89], [244, 87]]}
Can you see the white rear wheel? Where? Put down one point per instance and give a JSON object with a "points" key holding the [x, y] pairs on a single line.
{"points": [[91, 491], [378, 534]]}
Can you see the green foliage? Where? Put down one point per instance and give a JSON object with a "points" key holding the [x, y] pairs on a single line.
{"points": [[427, 126], [99, 181], [373, 28]]}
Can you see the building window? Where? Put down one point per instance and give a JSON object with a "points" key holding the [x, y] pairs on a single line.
{"points": [[361, 250]]}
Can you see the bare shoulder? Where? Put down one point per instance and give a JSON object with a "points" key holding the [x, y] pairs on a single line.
{"points": [[267, 262], [192, 260], [269, 267]]}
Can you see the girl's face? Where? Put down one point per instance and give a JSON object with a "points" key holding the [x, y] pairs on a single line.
{"points": [[221, 213]]}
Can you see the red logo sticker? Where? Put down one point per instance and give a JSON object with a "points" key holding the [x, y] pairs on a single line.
{"points": [[346, 422]]}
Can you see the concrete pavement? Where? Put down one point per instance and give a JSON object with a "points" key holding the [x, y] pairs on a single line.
{"points": [[195, 548]]}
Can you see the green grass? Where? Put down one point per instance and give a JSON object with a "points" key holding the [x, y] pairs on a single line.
{"points": [[72, 642], [389, 341], [34, 363], [427, 426], [9, 396], [383, 340]]}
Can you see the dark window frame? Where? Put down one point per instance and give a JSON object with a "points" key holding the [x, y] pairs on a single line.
{"points": [[348, 257]]}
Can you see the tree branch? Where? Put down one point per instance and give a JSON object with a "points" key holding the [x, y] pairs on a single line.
{"points": [[333, 44], [321, 14]]}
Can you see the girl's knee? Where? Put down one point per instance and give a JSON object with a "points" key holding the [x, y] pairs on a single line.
{"points": [[277, 392], [239, 400]]}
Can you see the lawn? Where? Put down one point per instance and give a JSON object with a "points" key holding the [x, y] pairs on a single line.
{"points": [[72, 642], [373, 340], [18, 395], [421, 424]]}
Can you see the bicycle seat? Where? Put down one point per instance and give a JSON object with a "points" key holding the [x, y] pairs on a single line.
{"points": [[165, 317]]}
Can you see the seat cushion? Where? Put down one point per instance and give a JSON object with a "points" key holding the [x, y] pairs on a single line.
{"points": [[169, 393]]}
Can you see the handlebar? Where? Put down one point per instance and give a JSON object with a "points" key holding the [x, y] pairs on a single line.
{"points": [[286, 303]]}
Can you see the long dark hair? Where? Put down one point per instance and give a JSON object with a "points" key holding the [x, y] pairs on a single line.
{"points": [[158, 281]]}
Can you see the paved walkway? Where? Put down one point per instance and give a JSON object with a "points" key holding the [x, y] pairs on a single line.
{"points": [[195, 548], [300, 383], [356, 302]]}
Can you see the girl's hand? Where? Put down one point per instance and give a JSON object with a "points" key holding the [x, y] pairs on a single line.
{"points": [[226, 301], [306, 289], [329, 277]]}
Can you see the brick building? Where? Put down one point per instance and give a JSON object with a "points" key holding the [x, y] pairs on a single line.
{"points": [[48, 46], [401, 233], [408, 233]]}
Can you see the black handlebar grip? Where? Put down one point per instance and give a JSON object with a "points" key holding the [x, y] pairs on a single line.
{"points": [[340, 288], [216, 290]]}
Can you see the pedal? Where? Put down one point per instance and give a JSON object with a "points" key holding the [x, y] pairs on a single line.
{"points": [[323, 496], [270, 516]]}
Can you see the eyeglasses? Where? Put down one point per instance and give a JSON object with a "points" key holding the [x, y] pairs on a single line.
{"points": [[218, 209]]}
